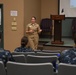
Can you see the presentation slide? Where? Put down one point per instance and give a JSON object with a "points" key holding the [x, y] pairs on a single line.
{"points": [[67, 8], [73, 3]]}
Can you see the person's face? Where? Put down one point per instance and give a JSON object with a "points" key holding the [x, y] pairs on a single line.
{"points": [[33, 20]]}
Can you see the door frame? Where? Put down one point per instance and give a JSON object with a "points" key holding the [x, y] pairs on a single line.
{"points": [[2, 27]]}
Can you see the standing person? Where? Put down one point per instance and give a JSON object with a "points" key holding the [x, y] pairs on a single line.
{"points": [[74, 30], [32, 30]]}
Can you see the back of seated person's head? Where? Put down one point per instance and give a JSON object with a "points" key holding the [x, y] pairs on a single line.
{"points": [[24, 41]]}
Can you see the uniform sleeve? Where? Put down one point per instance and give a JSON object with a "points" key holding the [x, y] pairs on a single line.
{"points": [[26, 28], [39, 28]]}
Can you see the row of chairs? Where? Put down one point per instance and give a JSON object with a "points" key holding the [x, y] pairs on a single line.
{"points": [[53, 51], [15, 68], [37, 57], [32, 56], [39, 52]]}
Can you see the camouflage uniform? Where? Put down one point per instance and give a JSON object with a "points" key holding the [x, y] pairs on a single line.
{"points": [[68, 56]]}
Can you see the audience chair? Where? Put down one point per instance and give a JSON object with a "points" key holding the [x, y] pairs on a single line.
{"points": [[40, 59], [19, 58], [66, 69], [19, 53], [47, 54], [2, 68], [14, 68], [43, 59], [51, 51], [23, 53]]}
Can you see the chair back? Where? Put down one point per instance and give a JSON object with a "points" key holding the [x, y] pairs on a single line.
{"points": [[20, 53], [66, 69], [2, 68], [40, 59], [47, 54], [19, 58], [14, 68], [52, 51]]}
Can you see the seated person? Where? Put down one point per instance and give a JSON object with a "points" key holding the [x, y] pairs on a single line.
{"points": [[5, 56], [23, 47], [68, 56]]}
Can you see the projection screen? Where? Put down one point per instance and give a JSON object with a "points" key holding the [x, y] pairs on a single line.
{"points": [[67, 7]]}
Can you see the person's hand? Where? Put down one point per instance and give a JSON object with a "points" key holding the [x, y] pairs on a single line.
{"points": [[31, 31], [40, 30]]}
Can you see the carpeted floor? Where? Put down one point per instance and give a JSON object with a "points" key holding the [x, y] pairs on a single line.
{"points": [[68, 42]]}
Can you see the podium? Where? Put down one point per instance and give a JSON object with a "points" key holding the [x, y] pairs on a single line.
{"points": [[57, 28]]}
